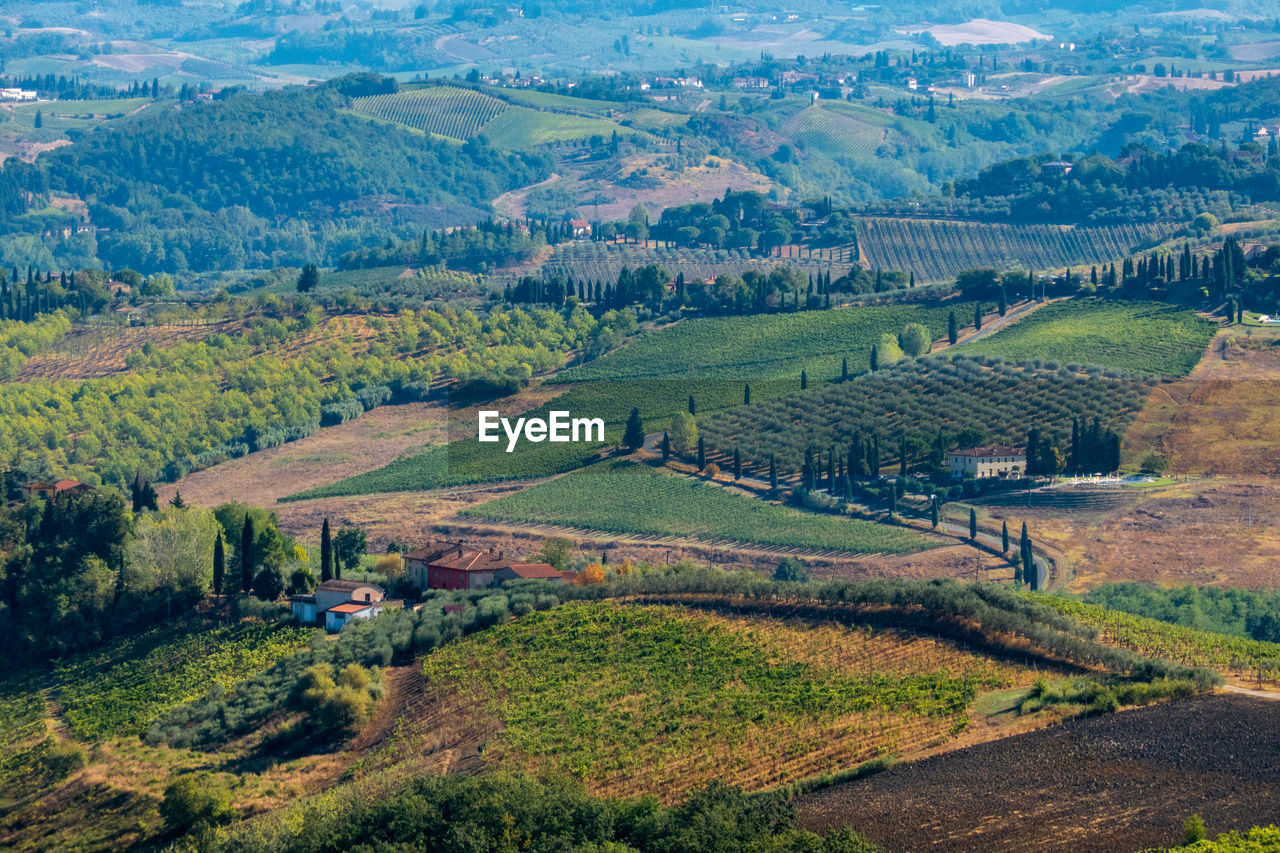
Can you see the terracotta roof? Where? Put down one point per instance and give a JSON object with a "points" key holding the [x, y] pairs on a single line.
{"points": [[63, 485], [535, 570], [349, 607], [347, 586], [984, 452]]}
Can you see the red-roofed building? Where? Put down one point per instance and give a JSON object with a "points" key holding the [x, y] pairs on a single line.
{"points": [[456, 565], [50, 490], [337, 602]]}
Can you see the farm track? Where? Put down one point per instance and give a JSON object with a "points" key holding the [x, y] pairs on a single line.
{"points": [[1122, 781]]}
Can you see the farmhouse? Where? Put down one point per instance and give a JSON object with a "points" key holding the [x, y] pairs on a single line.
{"points": [[982, 462], [455, 565], [17, 95], [581, 227], [337, 602], [50, 490]]}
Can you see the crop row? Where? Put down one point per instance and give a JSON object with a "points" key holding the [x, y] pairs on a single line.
{"points": [[447, 111], [1142, 337], [1153, 638], [935, 250], [1000, 402], [620, 496]]}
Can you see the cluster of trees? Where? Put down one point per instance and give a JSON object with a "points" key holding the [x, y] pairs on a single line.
{"points": [[1100, 189], [1092, 450], [455, 813], [481, 248], [259, 180], [198, 403], [1239, 612]]}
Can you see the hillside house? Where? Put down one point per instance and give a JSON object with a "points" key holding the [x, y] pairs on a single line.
{"points": [[581, 227], [994, 461], [456, 565], [337, 602], [45, 491]]}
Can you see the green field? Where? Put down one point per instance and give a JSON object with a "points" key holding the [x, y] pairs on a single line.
{"points": [[1135, 337], [1002, 402], [443, 110], [624, 695], [460, 113], [935, 250], [122, 689], [834, 133], [766, 346], [717, 357], [620, 496]]}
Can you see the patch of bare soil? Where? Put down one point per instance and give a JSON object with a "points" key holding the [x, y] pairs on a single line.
{"points": [[1121, 781], [1223, 418], [1205, 532]]}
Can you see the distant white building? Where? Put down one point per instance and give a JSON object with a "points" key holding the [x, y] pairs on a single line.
{"points": [[913, 84], [17, 95], [981, 462]]}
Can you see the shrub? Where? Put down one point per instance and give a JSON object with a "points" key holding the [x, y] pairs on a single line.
{"points": [[791, 569], [1193, 829], [195, 800]]}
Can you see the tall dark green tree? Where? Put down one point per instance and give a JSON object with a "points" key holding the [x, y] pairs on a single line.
{"points": [[933, 512], [1004, 537], [309, 278], [633, 437], [844, 369], [737, 464], [746, 394], [773, 473], [1003, 304], [666, 447], [326, 553], [973, 524], [693, 410], [702, 453], [219, 564], [246, 555], [875, 358], [953, 331], [804, 380], [977, 317]]}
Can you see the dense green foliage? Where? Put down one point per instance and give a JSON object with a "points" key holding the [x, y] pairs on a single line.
{"points": [[196, 404], [252, 180], [460, 814], [966, 401], [1135, 337], [19, 340], [626, 497], [1229, 610], [1260, 839]]}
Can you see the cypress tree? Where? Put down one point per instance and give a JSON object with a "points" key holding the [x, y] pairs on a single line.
{"points": [[1004, 306], [844, 369], [246, 555], [953, 332], [1017, 572], [666, 447], [702, 453], [893, 499], [848, 488], [933, 512], [804, 380], [219, 563], [773, 473], [973, 524], [737, 464], [692, 407], [1004, 537], [875, 358], [977, 317], [326, 553], [633, 437], [746, 394], [831, 471]]}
